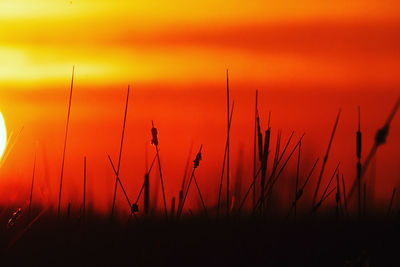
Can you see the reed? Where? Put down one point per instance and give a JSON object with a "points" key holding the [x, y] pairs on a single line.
{"points": [[255, 150], [84, 189], [185, 173], [200, 195], [344, 196], [228, 140], [172, 213], [274, 179], [264, 162], [297, 180], [326, 158], [223, 163], [338, 198], [146, 188], [196, 163], [316, 207], [154, 141], [277, 148], [120, 152], [119, 181], [260, 138], [33, 181], [258, 172], [146, 201], [69, 211], [275, 167], [300, 192], [365, 199], [391, 201], [65, 142], [358, 152]]}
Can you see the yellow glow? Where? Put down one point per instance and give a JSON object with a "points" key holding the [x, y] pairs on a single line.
{"points": [[3, 135]]}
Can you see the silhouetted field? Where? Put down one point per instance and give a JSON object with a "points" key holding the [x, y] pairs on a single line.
{"points": [[250, 227]]}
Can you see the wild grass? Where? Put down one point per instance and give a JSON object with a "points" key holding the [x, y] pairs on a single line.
{"points": [[258, 213]]}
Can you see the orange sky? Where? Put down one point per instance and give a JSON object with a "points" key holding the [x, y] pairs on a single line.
{"points": [[307, 58], [174, 41]]}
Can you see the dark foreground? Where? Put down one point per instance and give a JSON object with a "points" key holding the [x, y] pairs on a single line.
{"points": [[200, 242]]}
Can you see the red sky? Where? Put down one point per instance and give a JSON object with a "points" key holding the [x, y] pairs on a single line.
{"points": [[306, 58]]}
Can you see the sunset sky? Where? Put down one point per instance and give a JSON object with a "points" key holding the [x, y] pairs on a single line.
{"points": [[306, 58]]}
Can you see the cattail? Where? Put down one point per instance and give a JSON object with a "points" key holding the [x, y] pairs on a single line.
{"points": [[196, 161], [380, 139], [154, 134], [154, 141]]}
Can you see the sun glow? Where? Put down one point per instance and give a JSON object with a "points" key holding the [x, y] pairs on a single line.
{"points": [[3, 135]]}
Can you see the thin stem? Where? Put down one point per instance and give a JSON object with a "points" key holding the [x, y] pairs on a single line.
{"points": [[120, 152], [65, 142]]}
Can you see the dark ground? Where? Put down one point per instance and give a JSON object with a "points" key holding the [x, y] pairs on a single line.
{"points": [[326, 241]]}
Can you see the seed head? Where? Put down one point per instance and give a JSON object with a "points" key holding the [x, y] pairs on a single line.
{"points": [[154, 134]]}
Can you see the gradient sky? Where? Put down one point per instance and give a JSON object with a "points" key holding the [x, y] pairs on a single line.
{"points": [[307, 58]]}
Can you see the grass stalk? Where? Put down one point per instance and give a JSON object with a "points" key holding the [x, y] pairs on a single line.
{"points": [[65, 142], [326, 158], [33, 181], [120, 153]]}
